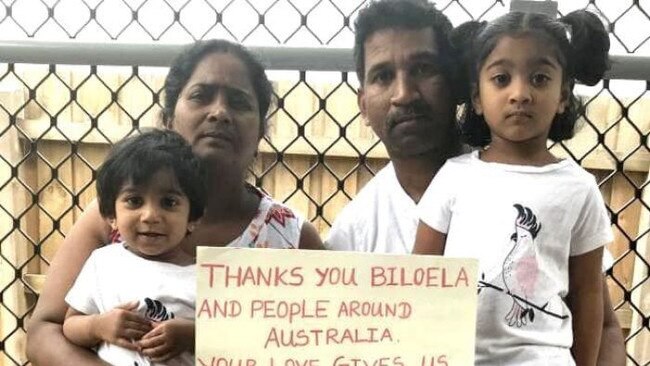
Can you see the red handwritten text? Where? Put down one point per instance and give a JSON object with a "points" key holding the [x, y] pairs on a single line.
{"points": [[336, 276], [423, 277], [382, 361], [252, 276], [375, 309], [289, 310], [212, 308], [318, 337]]}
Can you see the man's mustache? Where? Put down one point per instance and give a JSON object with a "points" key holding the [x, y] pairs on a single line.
{"points": [[417, 109]]}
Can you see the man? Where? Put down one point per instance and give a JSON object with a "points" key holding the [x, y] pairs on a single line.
{"points": [[409, 81]]}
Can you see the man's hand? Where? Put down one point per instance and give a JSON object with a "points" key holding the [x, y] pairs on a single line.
{"points": [[168, 339], [121, 326]]}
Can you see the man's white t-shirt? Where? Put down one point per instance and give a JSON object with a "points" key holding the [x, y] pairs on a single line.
{"points": [[382, 218], [114, 276], [522, 223]]}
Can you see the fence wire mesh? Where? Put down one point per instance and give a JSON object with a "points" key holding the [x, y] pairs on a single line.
{"points": [[58, 121]]}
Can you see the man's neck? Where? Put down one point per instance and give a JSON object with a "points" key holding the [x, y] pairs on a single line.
{"points": [[414, 174]]}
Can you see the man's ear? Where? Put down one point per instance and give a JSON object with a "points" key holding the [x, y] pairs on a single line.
{"points": [[476, 100], [170, 123], [361, 102]]}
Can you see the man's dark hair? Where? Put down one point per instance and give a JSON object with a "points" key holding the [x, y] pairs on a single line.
{"points": [[135, 160], [403, 14]]}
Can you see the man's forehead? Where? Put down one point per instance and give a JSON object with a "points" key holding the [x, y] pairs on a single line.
{"points": [[396, 43]]}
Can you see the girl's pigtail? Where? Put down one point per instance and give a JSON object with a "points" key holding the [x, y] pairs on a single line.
{"points": [[590, 43], [462, 42]]}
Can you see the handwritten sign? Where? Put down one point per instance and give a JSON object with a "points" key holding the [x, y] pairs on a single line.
{"points": [[270, 307]]}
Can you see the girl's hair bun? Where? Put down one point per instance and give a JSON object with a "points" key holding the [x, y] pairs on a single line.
{"points": [[590, 42]]}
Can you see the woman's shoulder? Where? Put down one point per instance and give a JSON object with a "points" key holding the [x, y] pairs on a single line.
{"points": [[275, 225], [270, 206], [272, 211]]}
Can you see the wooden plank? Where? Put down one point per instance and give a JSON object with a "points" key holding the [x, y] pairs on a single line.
{"points": [[54, 198], [300, 147], [638, 347], [34, 281], [94, 154], [15, 249], [329, 185], [285, 184], [622, 193], [30, 220]]}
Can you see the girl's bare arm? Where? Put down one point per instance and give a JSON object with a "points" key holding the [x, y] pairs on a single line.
{"points": [[429, 240], [309, 238], [612, 344], [586, 302]]}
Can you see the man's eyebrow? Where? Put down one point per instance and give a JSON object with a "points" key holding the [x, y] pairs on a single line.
{"points": [[378, 66], [426, 55]]}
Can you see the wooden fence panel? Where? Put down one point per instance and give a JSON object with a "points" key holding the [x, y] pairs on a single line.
{"points": [[320, 185]]}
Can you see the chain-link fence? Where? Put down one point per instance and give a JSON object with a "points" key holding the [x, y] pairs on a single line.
{"points": [[62, 106]]}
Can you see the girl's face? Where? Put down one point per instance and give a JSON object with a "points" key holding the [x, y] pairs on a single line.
{"points": [[520, 91], [153, 218], [217, 111]]}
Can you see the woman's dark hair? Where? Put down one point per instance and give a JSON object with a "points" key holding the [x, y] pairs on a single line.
{"points": [[135, 160], [581, 44], [186, 62]]}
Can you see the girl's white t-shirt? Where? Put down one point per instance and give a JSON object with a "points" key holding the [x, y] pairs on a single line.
{"points": [[522, 223]]}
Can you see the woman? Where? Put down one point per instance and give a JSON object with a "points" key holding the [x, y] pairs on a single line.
{"points": [[216, 97]]}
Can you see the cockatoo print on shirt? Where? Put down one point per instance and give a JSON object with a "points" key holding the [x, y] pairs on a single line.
{"points": [[521, 272]]}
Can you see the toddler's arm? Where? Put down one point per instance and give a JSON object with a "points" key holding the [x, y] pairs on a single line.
{"points": [[586, 302], [119, 326], [429, 240]]}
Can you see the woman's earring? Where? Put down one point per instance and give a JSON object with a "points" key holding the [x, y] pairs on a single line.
{"points": [[190, 228]]}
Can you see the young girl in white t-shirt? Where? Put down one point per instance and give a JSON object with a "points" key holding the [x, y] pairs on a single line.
{"points": [[135, 301], [537, 223]]}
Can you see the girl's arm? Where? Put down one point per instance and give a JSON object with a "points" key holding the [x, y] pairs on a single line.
{"points": [[46, 344], [612, 344], [309, 238], [586, 303], [429, 240]]}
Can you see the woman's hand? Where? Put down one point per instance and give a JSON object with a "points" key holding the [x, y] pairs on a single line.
{"points": [[121, 326], [168, 339]]}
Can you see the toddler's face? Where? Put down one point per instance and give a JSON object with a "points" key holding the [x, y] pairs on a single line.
{"points": [[153, 218]]}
